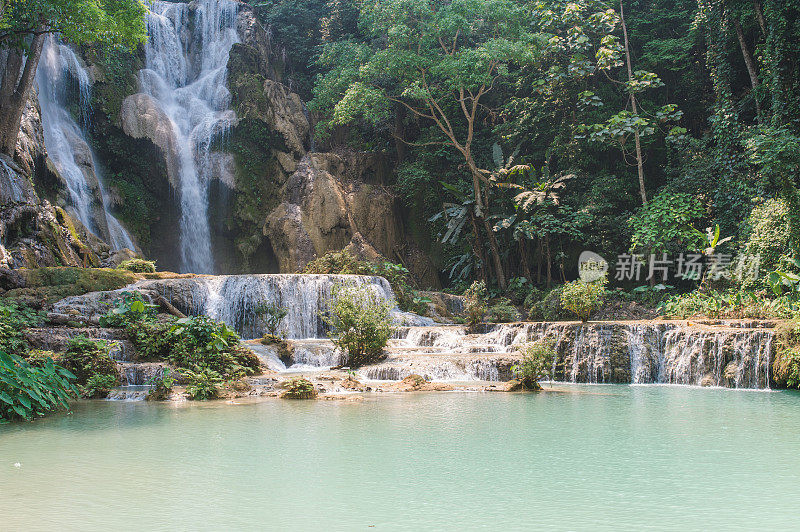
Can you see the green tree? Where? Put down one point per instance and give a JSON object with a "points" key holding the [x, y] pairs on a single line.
{"points": [[24, 25], [438, 61]]}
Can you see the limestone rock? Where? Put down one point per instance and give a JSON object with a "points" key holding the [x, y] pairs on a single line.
{"points": [[142, 118]]}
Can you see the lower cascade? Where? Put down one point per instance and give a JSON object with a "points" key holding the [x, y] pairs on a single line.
{"points": [[733, 354]]}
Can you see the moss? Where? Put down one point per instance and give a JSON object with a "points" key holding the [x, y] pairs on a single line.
{"points": [[118, 70], [52, 284]]}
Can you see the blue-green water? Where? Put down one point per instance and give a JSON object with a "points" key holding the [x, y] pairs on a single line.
{"points": [[595, 457]]}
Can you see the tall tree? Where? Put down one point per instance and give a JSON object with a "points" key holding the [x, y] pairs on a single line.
{"points": [[24, 24], [441, 62]]}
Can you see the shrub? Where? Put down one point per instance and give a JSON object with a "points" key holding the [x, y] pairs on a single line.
{"points": [[299, 388], [536, 364], [161, 385], [769, 234], [272, 315], [727, 304], [130, 308], [503, 312], [138, 266], [202, 342], [202, 384], [534, 297], [549, 307], [98, 386], [475, 305], [518, 289], [28, 391], [398, 276], [361, 323], [86, 358], [582, 298], [14, 317]]}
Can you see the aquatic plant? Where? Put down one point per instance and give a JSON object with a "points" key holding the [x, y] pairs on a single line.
{"points": [[86, 358], [161, 385], [98, 386], [272, 315], [361, 323]]}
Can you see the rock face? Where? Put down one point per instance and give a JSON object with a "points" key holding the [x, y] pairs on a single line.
{"points": [[140, 117], [321, 211]]}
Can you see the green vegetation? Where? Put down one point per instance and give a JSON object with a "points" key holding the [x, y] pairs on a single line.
{"points": [[161, 384], [360, 323], [14, 317], [582, 298], [52, 284], [208, 349], [28, 391], [95, 372], [138, 265], [503, 311], [476, 304], [343, 262], [786, 365], [203, 384], [272, 315], [536, 363], [299, 388]]}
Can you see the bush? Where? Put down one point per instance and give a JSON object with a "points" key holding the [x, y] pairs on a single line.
{"points": [[549, 307], [86, 358], [534, 297], [398, 276], [28, 391], [130, 308], [202, 384], [14, 317], [361, 323], [503, 312], [476, 304], [204, 343], [299, 388], [138, 266], [272, 315], [769, 234], [518, 289], [98, 386], [161, 385], [728, 304], [536, 364], [582, 298]]}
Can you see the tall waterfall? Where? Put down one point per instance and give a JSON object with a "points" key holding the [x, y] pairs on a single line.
{"points": [[186, 75], [60, 71]]}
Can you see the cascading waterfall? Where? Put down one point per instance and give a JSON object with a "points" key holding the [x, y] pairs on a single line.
{"points": [[59, 70], [235, 300], [186, 76]]}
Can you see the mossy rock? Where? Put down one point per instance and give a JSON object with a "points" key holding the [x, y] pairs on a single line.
{"points": [[53, 284]]}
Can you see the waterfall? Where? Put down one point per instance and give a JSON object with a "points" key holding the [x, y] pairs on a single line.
{"points": [[235, 299], [58, 74], [185, 73]]}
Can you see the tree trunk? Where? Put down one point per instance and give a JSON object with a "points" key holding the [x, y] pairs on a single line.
{"points": [[760, 17], [548, 261], [639, 160], [477, 247], [482, 205], [751, 67], [523, 255], [14, 93]]}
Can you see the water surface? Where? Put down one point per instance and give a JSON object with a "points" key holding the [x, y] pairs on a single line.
{"points": [[595, 457]]}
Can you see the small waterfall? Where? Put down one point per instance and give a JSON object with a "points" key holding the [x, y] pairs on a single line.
{"points": [[681, 354], [59, 74], [234, 299], [186, 75]]}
